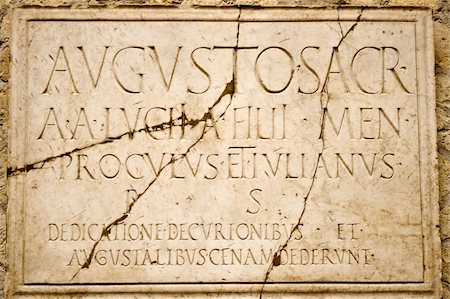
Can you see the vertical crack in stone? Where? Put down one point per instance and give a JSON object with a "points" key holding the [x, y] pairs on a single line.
{"points": [[276, 259], [230, 89], [324, 97], [344, 36], [339, 22]]}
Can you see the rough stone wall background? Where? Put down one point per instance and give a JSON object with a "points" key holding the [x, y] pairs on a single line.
{"points": [[441, 16]]}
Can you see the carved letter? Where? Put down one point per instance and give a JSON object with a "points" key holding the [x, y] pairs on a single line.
{"points": [[392, 69], [335, 53], [309, 69], [54, 123], [201, 69], [91, 76], [86, 124], [258, 75], [56, 68], [358, 83], [120, 82], [131, 130], [167, 82]]}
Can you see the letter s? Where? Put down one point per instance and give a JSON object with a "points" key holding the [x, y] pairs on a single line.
{"points": [[255, 200]]}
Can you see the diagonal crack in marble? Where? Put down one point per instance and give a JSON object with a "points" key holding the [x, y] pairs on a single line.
{"points": [[15, 171], [276, 259], [230, 89]]}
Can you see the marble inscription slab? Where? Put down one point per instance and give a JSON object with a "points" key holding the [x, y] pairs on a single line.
{"points": [[240, 150]]}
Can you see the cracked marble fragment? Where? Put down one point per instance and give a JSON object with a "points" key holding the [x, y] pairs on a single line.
{"points": [[260, 150]]}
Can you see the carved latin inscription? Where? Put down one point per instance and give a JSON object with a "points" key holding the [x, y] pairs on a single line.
{"points": [[235, 151]]}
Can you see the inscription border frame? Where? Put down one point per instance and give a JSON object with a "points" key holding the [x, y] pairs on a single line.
{"points": [[427, 142]]}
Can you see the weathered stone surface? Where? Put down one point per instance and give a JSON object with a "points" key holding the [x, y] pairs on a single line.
{"points": [[268, 150]]}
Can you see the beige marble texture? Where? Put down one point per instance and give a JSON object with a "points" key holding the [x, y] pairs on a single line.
{"points": [[260, 152]]}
